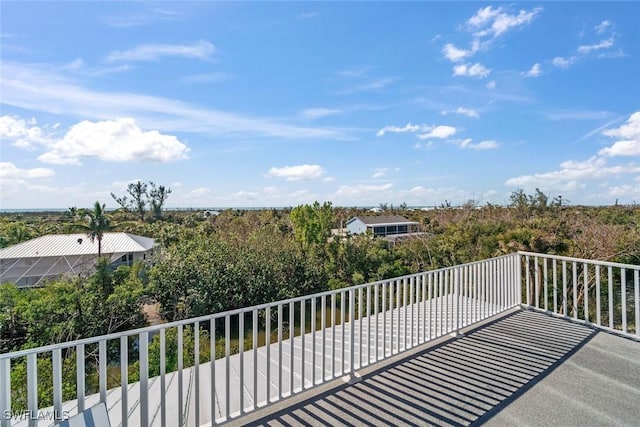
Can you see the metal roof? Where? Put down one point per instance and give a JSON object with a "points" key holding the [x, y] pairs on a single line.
{"points": [[55, 245], [383, 220]]}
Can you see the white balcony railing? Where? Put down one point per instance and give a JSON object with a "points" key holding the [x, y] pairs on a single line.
{"points": [[605, 295], [269, 352]]}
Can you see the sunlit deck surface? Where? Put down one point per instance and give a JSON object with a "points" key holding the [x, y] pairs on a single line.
{"points": [[525, 368]]}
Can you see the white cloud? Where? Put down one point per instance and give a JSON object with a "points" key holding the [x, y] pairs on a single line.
{"points": [[562, 62], [245, 195], [467, 112], [602, 27], [42, 88], [440, 132], [318, 113], [23, 134], [119, 140], [297, 173], [491, 84], [482, 145], [376, 84], [489, 22], [379, 173], [571, 173], [630, 134], [396, 129], [150, 52], [199, 192], [534, 71], [471, 70], [10, 171], [454, 54], [604, 44]]}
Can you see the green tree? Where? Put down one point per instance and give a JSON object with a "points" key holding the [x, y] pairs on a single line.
{"points": [[98, 223], [312, 223]]}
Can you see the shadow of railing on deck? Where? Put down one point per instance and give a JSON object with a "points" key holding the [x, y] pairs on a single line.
{"points": [[464, 381]]}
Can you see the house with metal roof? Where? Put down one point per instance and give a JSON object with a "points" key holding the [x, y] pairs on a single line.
{"points": [[35, 261], [382, 226]]}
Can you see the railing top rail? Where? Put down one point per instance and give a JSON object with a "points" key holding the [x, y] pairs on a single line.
{"points": [[209, 317], [582, 260]]}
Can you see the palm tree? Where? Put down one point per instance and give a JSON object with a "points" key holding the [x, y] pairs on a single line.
{"points": [[98, 223]]}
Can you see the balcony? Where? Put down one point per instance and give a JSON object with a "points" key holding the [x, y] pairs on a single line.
{"points": [[519, 339]]}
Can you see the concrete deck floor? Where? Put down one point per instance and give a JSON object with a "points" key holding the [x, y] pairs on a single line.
{"points": [[524, 369]]}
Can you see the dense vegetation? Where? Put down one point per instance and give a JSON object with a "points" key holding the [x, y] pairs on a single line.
{"points": [[242, 258]]}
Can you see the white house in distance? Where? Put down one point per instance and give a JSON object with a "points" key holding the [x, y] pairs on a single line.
{"points": [[388, 226], [32, 262]]}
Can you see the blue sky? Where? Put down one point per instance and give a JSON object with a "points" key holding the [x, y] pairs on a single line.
{"points": [[278, 104]]}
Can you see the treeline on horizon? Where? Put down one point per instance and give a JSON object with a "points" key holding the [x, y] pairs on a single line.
{"points": [[241, 258]]}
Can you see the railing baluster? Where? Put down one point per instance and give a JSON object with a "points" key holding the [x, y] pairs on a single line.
{"points": [[536, 279], [102, 370], [32, 387], [545, 274], [431, 298], [292, 334], [196, 369], [240, 361], [333, 335], [398, 303], [180, 355], [439, 304], [555, 286], [413, 303], [5, 392], [267, 339], [254, 340], [124, 379], [423, 304], [623, 296], [384, 320], [144, 379], [528, 283], [368, 325], [313, 340], [323, 319], [303, 327], [598, 307], [163, 371], [343, 302], [574, 277], [280, 363], [56, 364], [227, 366], [406, 314], [611, 314], [360, 352], [636, 283], [393, 337], [352, 330], [80, 376], [585, 271], [565, 296], [376, 295]]}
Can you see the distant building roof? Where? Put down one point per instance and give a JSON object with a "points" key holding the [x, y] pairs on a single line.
{"points": [[55, 245], [383, 220]]}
